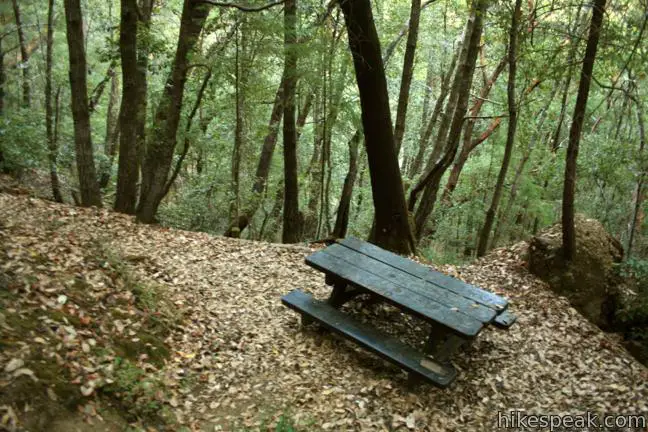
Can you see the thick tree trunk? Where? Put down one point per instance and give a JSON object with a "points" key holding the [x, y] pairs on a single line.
{"points": [[161, 145], [89, 187], [24, 56], [569, 187], [458, 97], [408, 71], [391, 229], [128, 169], [482, 245], [291, 217], [344, 207], [52, 145]]}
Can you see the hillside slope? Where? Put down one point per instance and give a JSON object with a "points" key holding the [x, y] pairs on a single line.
{"points": [[152, 326]]}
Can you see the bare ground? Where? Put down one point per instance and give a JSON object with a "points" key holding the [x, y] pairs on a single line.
{"points": [[238, 359]]}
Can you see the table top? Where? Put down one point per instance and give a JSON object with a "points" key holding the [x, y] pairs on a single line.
{"points": [[462, 308]]}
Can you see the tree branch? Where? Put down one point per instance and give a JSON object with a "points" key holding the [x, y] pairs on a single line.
{"points": [[243, 8]]}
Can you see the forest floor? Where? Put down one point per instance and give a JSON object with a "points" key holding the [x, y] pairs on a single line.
{"points": [[106, 322]]}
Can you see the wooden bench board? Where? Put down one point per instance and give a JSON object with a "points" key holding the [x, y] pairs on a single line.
{"points": [[505, 320], [468, 291], [453, 319], [417, 286], [372, 339]]}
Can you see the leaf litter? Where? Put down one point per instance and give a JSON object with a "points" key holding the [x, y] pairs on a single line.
{"points": [[233, 357]]}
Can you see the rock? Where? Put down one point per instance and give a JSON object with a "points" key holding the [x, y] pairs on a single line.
{"points": [[589, 281]]}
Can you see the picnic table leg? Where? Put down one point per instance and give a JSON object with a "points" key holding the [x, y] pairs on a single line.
{"points": [[441, 344], [342, 292]]}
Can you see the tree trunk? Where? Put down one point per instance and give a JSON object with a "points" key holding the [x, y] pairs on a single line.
{"points": [[344, 207], [161, 145], [238, 144], [482, 245], [112, 131], [90, 193], [635, 222], [504, 214], [571, 56], [391, 229], [315, 174], [143, 29], [3, 79], [52, 145], [263, 167], [469, 144], [291, 217], [24, 56], [458, 97], [569, 187], [128, 169], [275, 215], [408, 71], [427, 133]]}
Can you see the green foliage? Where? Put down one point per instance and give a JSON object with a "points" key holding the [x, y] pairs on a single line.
{"points": [[22, 136], [636, 269], [610, 161], [141, 393]]}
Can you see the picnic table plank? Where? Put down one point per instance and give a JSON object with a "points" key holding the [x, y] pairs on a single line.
{"points": [[412, 283], [454, 320], [372, 339], [463, 289]]}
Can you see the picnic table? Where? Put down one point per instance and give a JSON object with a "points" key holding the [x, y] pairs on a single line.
{"points": [[456, 311]]}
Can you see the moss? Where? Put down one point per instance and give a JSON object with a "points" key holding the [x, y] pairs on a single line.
{"points": [[148, 344], [137, 392]]}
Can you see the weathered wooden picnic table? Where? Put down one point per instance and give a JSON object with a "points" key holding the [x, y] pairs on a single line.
{"points": [[456, 311]]}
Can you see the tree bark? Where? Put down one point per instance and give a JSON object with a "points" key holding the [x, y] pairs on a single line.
{"points": [[24, 56], [635, 222], [438, 106], [127, 168], [569, 187], [482, 245], [89, 187], [458, 97], [3, 79], [52, 145], [504, 214], [291, 217], [143, 29], [408, 71], [112, 131], [161, 145], [391, 228], [238, 143], [263, 167], [469, 144], [344, 207]]}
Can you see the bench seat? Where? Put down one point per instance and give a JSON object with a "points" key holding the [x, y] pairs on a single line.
{"points": [[386, 346]]}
